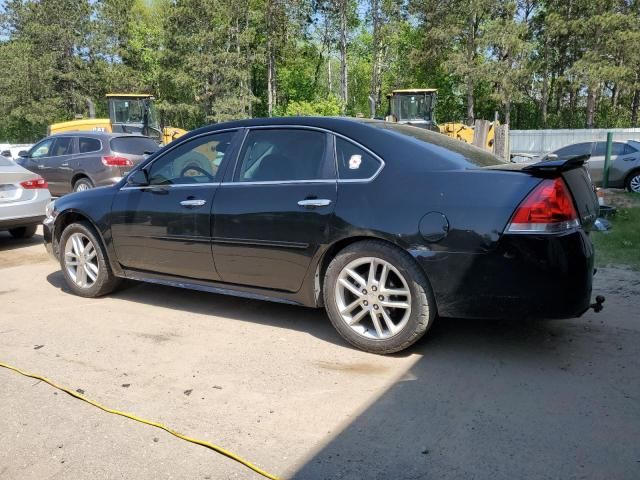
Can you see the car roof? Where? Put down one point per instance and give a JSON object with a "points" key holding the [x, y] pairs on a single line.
{"points": [[380, 137]]}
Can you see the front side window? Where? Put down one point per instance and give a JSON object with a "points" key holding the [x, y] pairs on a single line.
{"points": [[270, 155], [354, 163], [42, 149], [196, 161], [88, 145], [617, 148]]}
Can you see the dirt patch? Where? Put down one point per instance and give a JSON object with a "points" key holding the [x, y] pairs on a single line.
{"points": [[358, 367]]}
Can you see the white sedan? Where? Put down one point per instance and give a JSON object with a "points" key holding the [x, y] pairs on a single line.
{"points": [[23, 199]]}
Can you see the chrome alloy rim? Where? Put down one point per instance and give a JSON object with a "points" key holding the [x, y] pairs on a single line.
{"points": [[635, 184], [373, 298], [81, 260], [82, 187]]}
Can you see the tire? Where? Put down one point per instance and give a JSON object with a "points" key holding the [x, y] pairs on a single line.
{"points": [[403, 274], [82, 184], [23, 232], [633, 182], [105, 281]]}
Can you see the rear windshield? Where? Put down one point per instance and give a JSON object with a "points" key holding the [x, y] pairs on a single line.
{"points": [[5, 162], [134, 145], [472, 154]]}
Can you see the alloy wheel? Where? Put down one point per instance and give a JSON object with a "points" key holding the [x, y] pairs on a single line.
{"points": [[634, 184], [81, 260], [81, 187], [373, 298]]}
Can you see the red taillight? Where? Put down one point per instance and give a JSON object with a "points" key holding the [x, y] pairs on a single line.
{"points": [[34, 183], [547, 209], [114, 161]]}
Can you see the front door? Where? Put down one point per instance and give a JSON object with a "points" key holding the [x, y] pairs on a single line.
{"points": [[58, 168], [275, 213], [165, 227]]}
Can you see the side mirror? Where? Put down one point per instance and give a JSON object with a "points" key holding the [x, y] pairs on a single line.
{"points": [[23, 153], [552, 156], [138, 178]]}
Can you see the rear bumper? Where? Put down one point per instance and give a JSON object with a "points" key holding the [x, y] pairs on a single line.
{"points": [[10, 223], [26, 212], [532, 277]]}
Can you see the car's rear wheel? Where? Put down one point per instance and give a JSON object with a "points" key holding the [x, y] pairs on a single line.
{"points": [[82, 184], [633, 182], [23, 232], [84, 262], [378, 298]]}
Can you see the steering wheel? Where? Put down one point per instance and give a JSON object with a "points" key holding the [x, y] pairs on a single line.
{"points": [[196, 169]]}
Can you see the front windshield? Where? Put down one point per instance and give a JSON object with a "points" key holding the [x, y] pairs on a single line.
{"points": [[128, 110], [414, 107], [153, 116]]}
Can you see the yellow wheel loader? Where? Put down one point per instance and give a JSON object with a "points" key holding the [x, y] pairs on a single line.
{"points": [[415, 106], [128, 113]]}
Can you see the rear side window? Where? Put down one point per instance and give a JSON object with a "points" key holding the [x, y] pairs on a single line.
{"points": [[270, 155], [88, 145], [133, 145], [573, 150], [354, 163], [629, 150]]}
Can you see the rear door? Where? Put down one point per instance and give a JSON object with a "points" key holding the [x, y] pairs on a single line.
{"points": [[88, 159], [165, 227], [624, 157], [273, 215]]}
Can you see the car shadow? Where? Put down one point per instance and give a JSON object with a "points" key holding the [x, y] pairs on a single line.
{"points": [[500, 400], [309, 320], [7, 242]]}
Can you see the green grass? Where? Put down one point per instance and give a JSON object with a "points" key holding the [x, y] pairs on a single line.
{"points": [[621, 244]]}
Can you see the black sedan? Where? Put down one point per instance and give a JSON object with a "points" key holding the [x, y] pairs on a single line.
{"points": [[386, 226]]}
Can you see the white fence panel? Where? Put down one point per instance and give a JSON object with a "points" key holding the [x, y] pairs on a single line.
{"points": [[539, 142]]}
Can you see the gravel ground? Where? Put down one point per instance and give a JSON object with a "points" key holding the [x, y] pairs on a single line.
{"points": [[275, 384]]}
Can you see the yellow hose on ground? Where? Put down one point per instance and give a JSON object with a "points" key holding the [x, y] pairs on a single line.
{"points": [[208, 445]]}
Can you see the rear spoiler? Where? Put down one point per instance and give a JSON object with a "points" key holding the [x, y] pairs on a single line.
{"points": [[544, 168], [552, 168]]}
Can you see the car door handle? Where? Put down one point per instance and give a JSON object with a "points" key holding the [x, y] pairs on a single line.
{"points": [[192, 203], [314, 202], [629, 159], [66, 164], [40, 167]]}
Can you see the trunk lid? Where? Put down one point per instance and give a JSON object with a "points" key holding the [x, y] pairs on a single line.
{"points": [[575, 175]]}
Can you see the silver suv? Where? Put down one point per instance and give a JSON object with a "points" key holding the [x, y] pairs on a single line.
{"points": [[76, 161], [624, 169]]}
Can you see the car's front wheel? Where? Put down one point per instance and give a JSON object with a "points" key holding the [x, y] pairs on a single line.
{"points": [[377, 297], [84, 262]]}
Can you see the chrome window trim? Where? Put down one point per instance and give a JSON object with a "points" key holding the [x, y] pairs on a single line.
{"points": [[278, 182], [204, 134], [270, 182], [356, 180], [335, 157]]}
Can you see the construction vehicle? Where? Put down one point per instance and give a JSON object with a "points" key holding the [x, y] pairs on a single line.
{"points": [[128, 113], [415, 106]]}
